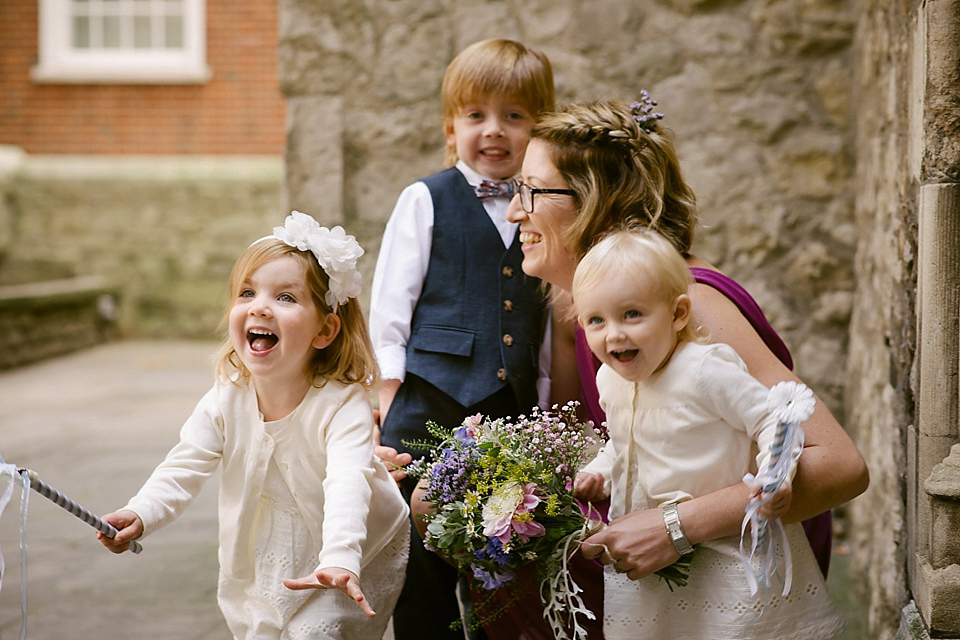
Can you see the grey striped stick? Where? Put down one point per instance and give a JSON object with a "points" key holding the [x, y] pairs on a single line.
{"points": [[55, 496]]}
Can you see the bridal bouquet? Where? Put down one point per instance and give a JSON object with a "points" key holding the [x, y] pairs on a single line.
{"points": [[502, 494]]}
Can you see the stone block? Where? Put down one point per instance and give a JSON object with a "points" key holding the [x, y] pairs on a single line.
{"points": [[911, 625], [943, 488], [45, 319], [937, 594]]}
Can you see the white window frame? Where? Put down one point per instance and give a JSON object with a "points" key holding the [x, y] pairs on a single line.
{"points": [[60, 62]]}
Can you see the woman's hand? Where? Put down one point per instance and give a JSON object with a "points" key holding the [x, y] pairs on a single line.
{"points": [[636, 544], [333, 578]]}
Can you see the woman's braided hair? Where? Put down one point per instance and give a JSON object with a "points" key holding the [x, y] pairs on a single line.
{"points": [[624, 170]]}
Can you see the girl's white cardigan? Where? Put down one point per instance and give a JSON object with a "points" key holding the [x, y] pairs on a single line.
{"points": [[325, 453]]}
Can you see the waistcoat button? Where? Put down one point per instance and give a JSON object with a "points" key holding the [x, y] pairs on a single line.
{"points": [[507, 339], [508, 305], [507, 271], [502, 374]]}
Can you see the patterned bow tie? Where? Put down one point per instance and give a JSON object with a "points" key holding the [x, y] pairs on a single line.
{"points": [[494, 188]]}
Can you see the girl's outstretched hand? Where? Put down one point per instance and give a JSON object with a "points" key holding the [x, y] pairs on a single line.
{"points": [[333, 578], [129, 527]]}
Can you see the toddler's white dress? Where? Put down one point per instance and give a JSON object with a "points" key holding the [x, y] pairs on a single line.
{"points": [[686, 431]]}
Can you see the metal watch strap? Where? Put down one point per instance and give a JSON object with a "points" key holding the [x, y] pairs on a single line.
{"points": [[671, 518]]}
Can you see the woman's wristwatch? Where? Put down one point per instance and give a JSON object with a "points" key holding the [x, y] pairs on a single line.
{"points": [[672, 519]]}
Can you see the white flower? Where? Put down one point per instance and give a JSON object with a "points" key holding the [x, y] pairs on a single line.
{"points": [[790, 402], [335, 251]]}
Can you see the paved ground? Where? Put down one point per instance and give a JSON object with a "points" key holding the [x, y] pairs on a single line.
{"points": [[93, 425]]}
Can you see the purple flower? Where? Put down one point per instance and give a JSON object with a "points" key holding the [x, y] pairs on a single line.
{"points": [[492, 580], [494, 551]]}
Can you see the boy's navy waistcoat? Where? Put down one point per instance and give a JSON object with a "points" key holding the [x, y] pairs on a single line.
{"points": [[479, 321]]}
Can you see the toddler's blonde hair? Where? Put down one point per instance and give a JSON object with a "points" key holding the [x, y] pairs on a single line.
{"points": [[639, 254], [496, 67], [348, 359]]}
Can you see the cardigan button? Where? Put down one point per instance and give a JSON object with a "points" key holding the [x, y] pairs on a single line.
{"points": [[507, 339], [508, 305], [507, 271], [502, 374]]}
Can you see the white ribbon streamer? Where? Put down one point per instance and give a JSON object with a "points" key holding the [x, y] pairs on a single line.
{"points": [[6, 491], [769, 538]]}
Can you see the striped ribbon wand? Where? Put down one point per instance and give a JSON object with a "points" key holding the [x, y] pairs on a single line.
{"points": [[790, 403], [58, 498]]}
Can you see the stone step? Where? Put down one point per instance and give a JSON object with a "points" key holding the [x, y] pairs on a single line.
{"points": [[39, 320]]}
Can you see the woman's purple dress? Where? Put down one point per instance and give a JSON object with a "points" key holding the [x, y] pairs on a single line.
{"points": [[523, 620]]}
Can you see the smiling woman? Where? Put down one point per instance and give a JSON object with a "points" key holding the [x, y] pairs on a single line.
{"points": [[624, 171]]}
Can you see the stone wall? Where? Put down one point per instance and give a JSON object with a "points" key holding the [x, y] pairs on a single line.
{"points": [[879, 396], [55, 317], [163, 233], [757, 92], [902, 384]]}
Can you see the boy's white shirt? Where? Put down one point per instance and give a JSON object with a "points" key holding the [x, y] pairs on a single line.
{"points": [[353, 517], [402, 267]]}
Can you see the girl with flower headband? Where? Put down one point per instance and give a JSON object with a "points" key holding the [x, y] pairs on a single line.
{"points": [[682, 416], [289, 424]]}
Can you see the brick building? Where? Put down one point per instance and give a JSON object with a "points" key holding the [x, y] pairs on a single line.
{"points": [[140, 77], [141, 147]]}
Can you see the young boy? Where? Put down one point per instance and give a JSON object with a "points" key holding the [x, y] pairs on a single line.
{"points": [[456, 324]]}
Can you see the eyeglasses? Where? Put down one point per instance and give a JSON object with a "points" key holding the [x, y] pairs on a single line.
{"points": [[527, 192]]}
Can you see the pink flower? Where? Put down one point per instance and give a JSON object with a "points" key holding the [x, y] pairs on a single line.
{"points": [[509, 501], [473, 424]]}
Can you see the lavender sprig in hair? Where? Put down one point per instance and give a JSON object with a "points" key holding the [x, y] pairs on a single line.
{"points": [[643, 112]]}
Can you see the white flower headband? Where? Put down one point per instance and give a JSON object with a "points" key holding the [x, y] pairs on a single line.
{"points": [[336, 252]]}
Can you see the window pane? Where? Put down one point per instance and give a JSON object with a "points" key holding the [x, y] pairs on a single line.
{"points": [[111, 32], [81, 32], [141, 32], [173, 32]]}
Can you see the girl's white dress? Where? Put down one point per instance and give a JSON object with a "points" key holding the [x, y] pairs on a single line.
{"points": [[692, 428], [296, 495]]}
